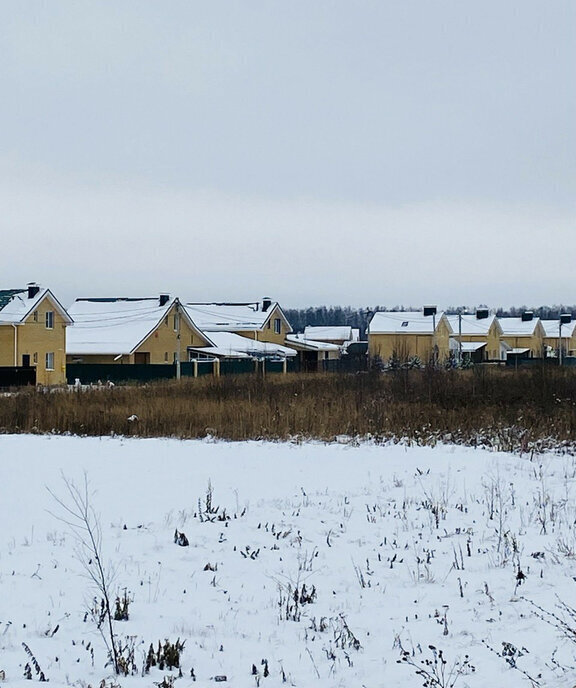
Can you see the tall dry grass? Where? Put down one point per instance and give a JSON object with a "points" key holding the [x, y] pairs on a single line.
{"points": [[513, 410]]}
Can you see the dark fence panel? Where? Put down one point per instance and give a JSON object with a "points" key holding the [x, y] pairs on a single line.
{"points": [[89, 373], [236, 366], [274, 366], [16, 376]]}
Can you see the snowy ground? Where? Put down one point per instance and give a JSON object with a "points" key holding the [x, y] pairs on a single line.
{"points": [[403, 547]]}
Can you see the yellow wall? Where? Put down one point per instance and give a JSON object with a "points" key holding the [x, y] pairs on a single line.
{"points": [[164, 340], [96, 358], [267, 334], [568, 344], [492, 339], [534, 342], [34, 338], [6, 345], [161, 345], [406, 346]]}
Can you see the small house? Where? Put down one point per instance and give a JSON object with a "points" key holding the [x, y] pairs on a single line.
{"points": [[401, 336], [523, 336], [127, 330], [33, 326], [262, 321]]}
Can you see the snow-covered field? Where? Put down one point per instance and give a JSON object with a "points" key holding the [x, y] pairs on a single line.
{"points": [[397, 548]]}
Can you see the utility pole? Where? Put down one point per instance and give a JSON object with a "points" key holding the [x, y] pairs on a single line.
{"points": [[431, 311], [178, 367], [565, 318], [459, 338]]}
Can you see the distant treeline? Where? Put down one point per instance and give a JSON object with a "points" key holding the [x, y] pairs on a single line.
{"points": [[317, 316]]}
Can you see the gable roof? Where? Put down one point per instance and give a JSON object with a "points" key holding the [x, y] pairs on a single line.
{"points": [[471, 325], [404, 322], [516, 327], [15, 306], [117, 326], [230, 317], [552, 328]]}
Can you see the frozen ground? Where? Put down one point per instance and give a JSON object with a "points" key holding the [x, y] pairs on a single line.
{"points": [[397, 547]]}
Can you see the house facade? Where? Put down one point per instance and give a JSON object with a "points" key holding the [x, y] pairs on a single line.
{"points": [[553, 342], [524, 336], [477, 336], [33, 325], [131, 330], [404, 335]]}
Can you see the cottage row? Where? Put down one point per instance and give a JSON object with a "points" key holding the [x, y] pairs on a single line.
{"points": [[38, 334], [428, 334]]}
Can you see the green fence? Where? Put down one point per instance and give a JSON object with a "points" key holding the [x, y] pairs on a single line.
{"points": [[91, 373], [236, 366]]}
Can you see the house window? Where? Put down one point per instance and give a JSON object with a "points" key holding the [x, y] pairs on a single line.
{"points": [[50, 360], [176, 322], [35, 316], [166, 320], [166, 357], [49, 320], [35, 358], [277, 325]]}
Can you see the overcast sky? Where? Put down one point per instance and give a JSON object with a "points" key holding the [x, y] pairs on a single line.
{"points": [[319, 151]]}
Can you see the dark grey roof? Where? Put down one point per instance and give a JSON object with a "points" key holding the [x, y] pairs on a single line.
{"points": [[6, 295]]}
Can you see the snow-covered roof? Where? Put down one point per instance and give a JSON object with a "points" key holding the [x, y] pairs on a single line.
{"points": [[230, 344], [228, 317], [518, 327], [551, 328], [114, 326], [310, 344], [331, 333], [15, 306], [403, 322], [471, 325], [467, 347]]}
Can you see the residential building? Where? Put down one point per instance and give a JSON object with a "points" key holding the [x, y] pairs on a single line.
{"points": [[552, 337], [523, 336], [477, 336], [131, 330], [33, 326], [262, 321], [403, 335]]}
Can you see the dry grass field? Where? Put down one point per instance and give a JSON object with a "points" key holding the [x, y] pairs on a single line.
{"points": [[509, 410]]}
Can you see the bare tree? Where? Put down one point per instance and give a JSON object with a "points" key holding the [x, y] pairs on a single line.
{"points": [[79, 515]]}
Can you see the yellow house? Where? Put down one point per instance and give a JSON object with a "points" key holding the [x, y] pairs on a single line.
{"points": [[33, 333], [523, 336], [131, 330], [403, 335], [263, 321], [477, 336], [552, 338]]}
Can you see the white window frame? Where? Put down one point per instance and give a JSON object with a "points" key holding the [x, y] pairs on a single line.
{"points": [[49, 320], [277, 325], [49, 360]]}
